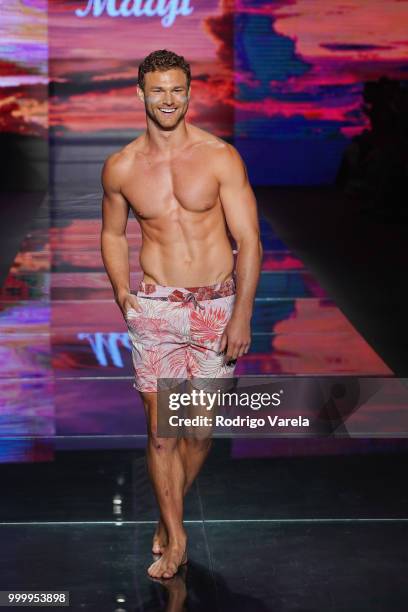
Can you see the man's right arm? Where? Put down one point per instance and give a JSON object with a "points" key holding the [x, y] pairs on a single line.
{"points": [[114, 245]]}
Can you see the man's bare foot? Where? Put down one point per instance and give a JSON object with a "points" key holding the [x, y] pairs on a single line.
{"points": [[160, 538], [167, 566]]}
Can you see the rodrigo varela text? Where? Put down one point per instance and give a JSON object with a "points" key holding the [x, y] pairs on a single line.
{"points": [[219, 399], [166, 9], [238, 421]]}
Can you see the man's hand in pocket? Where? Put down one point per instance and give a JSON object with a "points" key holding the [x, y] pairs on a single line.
{"points": [[126, 302]]}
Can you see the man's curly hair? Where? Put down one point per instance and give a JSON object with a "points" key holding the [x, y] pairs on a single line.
{"points": [[163, 60]]}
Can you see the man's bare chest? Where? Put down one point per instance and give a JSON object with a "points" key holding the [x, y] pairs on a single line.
{"points": [[154, 188]]}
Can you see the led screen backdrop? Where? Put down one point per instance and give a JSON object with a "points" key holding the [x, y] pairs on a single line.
{"points": [[23, 67], [282, 79], [300, 66], [94, 59]]}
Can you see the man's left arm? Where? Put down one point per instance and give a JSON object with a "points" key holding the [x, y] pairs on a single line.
{"points": [[239, 205]]}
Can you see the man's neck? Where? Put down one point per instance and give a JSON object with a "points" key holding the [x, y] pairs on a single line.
{"points": [[166, 141]]}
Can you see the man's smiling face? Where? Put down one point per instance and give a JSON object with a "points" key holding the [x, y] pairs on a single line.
{"points": [[165, 97]]}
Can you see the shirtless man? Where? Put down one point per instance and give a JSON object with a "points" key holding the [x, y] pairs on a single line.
{"points": [[191, 315]]}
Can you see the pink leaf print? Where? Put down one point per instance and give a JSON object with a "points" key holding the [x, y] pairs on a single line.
{"points": [[192, 364], [177, 363], [151, 363], [209, 325], [148, 328]]}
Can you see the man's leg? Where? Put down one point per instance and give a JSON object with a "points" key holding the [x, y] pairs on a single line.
{"points": [[193, 451], [195, 447], [167, 474]]}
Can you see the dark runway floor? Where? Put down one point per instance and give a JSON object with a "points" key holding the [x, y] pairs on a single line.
{"points": [[284, 525], [281, 534]]}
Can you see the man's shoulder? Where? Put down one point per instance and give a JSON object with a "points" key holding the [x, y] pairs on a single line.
{"points": [[206, 139], [219, 151], [125, 155], [118, 163], [223, 157]]}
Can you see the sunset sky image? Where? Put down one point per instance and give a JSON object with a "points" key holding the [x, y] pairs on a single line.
{"points": [[276, 70]]}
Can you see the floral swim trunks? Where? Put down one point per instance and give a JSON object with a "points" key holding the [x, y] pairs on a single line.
{"points": [[177, 333]]}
